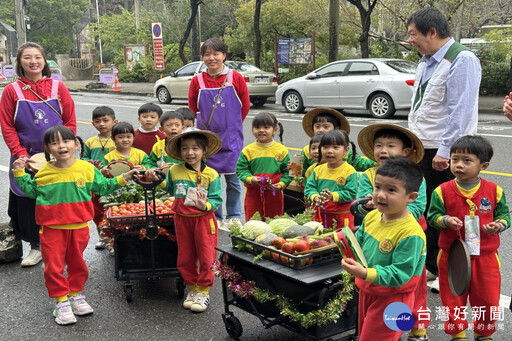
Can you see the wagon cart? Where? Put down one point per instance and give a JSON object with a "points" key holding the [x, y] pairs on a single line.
{"points": [[145, 246], [309, 288]]}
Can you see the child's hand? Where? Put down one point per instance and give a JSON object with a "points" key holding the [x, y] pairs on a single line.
{"points": [[327, 195], [139, 167], [105, 171], [370, 205], [151, 175], [493, 227], [200, 200], [255, 180], [20, 163], [354, 268], [277, 186], [454, 223], [129, 175]]}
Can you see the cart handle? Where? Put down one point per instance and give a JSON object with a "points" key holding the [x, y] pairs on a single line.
{"points": [[149, 184], [354, 207]]}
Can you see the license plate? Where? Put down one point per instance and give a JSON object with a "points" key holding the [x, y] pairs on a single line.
{"points": [[261, 79]]}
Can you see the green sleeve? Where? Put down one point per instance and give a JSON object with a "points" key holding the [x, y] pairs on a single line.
{"points": [[285, 177], [404, 263], [348, 192], [103, 186], [104, 162], [306, 162], [418, 206], [242, 169], [436, 209], [169, 184], [145, 160], [151, 161], [502, 210], [359, 163], [214, 195], [311, 187], [87, 153], [27, 185], [365, 186]]}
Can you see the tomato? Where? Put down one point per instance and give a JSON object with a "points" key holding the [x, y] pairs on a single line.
{"points": [[288, 247], [301, 245], [278, 242]]}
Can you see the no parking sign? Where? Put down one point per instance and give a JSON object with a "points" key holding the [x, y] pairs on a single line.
{"points": [[158, 45]]}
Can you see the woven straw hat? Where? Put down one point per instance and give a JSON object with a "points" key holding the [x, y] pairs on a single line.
{"points": [[214, 143], [307, 120], [366, 138]]}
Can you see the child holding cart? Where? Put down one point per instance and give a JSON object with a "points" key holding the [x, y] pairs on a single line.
{"points": [[332, 186], [393, 244], [171, 123], [124, 153], [474, 210], [197, 191], [322, 120], [63, 189], [379, 142], [263, 168], [95, 149]]}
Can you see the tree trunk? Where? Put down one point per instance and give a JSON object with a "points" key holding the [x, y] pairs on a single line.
{"points": [[194, 4], [257, 33], [195, 42], [334, 24], [365, 15]]}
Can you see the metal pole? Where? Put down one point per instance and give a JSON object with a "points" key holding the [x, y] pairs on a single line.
{"points": [[21, 29], [137, 18], [199, 22], [99, 37]]}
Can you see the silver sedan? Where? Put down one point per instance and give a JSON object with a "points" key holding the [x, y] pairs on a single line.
{"points": [[379, 85]]}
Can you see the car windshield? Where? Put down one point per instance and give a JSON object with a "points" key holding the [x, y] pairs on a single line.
{"points": [[242, 66], [403, 66]]}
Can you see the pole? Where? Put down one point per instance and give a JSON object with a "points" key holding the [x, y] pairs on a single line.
{"points": [[21, 29], [137, 18], [275, 55], [99, 37]]}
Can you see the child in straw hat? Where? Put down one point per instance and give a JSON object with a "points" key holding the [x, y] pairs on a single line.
{"points": [[380, 142], [197, 191]]}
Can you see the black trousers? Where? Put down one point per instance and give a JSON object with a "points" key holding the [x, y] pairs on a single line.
{"points": [[433, 179], [22, 211]]}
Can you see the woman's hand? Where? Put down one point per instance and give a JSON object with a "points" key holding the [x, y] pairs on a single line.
{"points": [[354, 268]]}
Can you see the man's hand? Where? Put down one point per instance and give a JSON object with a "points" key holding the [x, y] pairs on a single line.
{"points": [[439, 163]]}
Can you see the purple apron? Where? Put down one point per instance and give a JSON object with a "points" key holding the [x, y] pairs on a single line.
{"points": [[226, 122], [32, 119]]}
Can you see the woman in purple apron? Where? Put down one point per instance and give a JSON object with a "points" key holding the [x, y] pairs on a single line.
{"points": [[220, 98], [28, 107]]}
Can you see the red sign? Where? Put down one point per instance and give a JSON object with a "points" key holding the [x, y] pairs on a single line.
{"points": [[158, 46]]}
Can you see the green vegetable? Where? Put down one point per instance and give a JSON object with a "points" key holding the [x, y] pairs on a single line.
{"points": [[314, 224], [265, 239], [297, 231], [303, 218], [284, 216], [280, 225], [254, 228], [132, 192], [256, 216]]}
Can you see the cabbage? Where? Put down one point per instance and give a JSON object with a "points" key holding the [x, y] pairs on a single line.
{"points": [[278, 226], [314, 224], [254, 228]]}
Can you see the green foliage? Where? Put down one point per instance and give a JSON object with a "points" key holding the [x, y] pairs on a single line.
{"points": [[138, 74], [494, 78], [381, 48], [54, 43]]}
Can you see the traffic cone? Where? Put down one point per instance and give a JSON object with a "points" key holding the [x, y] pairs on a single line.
{"points": [[116, 86], [2, 78]]}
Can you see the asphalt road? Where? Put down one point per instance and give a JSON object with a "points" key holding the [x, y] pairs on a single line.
{"points": [[156, 312]]}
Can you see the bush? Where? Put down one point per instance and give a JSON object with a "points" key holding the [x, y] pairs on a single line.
{"points": [[494, 78]]}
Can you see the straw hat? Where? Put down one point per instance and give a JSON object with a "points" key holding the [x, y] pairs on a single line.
{"points": [[367, 135], [307, 120], [214, 143]]}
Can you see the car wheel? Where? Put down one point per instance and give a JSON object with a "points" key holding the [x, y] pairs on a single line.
{"points": [[293, 102], [381, 106], [163, 95], [258, 101]]}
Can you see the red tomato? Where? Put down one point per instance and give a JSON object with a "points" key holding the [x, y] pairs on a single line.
{"points": [[301, 245], [288, 247], [278, 242]]}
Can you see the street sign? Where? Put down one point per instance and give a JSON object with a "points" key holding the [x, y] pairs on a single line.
{"points": [[158, 46]]}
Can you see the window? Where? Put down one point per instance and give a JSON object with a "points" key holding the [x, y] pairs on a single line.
{"points": [[362, 69], [187, 70], [332, 70]]}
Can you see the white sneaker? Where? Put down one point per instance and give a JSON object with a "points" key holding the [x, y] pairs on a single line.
{"points": [[434, 287], [79, 306], [33, 258], [189, 300], [221, 224], [430, 276], [63, 313], [201, 302], [226, 226]]}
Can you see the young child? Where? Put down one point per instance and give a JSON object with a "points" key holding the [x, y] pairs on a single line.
{"points": [[123, 134], [394, 246], [379, 142], [314, 151], [333, 185], [171, 123], [95, 149], [189, 118], [62, 190], [148, 134], [197, 191], [472, 208], [263, 168], [322, 120]]}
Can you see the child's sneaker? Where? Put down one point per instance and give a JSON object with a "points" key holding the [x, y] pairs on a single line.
{"points": [[189, 300], [200, 302], [79, 306], [111, 250], [63, 313]]}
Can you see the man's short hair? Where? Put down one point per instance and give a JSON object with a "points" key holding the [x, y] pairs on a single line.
{"points": [[430, 18], [473, 144], [401, 168]]}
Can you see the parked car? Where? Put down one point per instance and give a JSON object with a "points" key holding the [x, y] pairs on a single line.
{"points": [[379, 85], [261, 84]]}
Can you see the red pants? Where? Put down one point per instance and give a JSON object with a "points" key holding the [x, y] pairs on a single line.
{"points": [[268, 206], [197, 239], [483, 292], [370, 316], [64, 248], [98, 210], [340, 218], [419, 310]]}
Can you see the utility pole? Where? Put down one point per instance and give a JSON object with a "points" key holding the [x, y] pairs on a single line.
{"points": [[99, 37], [21, 29], [137, 18]]}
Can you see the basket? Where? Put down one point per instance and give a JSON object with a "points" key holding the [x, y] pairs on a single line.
{"points": [[286, 259], [138, 220]]}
